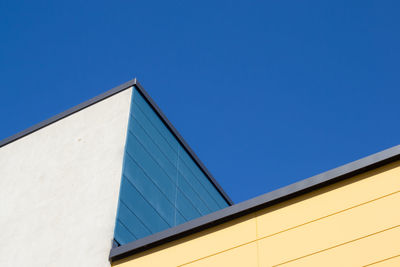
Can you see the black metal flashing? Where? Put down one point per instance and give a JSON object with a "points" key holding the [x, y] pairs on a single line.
{"points": [[105, 95], [263, 201]]}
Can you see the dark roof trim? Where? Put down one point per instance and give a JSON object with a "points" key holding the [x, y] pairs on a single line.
{"points": [[263, 201], [67, 113], [105, 95]]}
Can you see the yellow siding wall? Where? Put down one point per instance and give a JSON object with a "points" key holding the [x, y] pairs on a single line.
{"points": [[355, 222]]}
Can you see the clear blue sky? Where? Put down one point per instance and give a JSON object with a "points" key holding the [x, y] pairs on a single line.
{"points": [[265, 92]]}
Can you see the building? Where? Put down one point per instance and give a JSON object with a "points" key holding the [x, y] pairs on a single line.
{"points": [[111, 182]]}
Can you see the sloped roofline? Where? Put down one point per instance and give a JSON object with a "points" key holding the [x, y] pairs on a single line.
{"points": [[134, 82], [299, 188]]}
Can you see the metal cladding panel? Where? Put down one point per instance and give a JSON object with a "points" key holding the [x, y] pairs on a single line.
{"points": [[162, 186]]}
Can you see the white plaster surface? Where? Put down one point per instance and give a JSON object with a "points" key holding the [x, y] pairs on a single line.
{"points": [[59, 189]]}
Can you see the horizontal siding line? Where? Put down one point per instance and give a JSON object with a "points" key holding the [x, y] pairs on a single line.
{"points": [[341, 244], [329, 215], [300, 225], [170, 178], [209, 193], [216, 253], [393, 257], [205, 204], [152, 181], [258, 246], [244, 244]]}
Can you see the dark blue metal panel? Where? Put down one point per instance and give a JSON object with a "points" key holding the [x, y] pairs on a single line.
{"points": [[161, 185]]}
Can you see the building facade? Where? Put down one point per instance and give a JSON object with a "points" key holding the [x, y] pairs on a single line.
{"points": [[112, 182], [351, 222]]}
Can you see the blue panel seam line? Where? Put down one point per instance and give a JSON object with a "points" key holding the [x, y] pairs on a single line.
{"points": [[162, 217], [171, 179], [152, 181], [170, 145], [183, 143], [130, 132], [167, 158], [134, 214], [155, 133]]}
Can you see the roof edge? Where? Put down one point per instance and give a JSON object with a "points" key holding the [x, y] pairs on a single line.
{"points": [[109, 93], [304, 186], [68, 112]]}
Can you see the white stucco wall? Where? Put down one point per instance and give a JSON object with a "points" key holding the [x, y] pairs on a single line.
{"points": [[59, 189]]}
